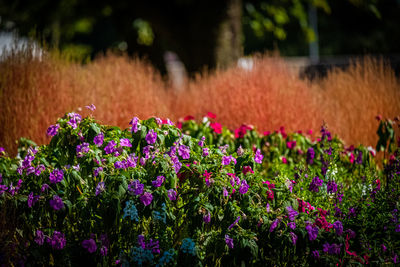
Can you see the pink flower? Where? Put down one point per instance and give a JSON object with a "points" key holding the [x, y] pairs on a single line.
{"points": [[216, 127], [211, 115], [290, 144], [284, 160]]}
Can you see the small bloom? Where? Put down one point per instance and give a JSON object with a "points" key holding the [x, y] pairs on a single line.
{"points": [[225, 192], [338, 227], [244, 187], [56, 176], [158, 182], [292, 225], [110, 147], [100, 188], [146, 198], [331, 187], [207, 218], [97, 171], [53, 130], [310, 155], [205, 152], [316, 183], [82, 149], [135, 124], [90, 245], [91, 107], [39, 239], [293, 237], [98, 139], [274, 224], [216, 127], [240, 151], [130, 210], [315, 254], [211, 115], [57, 241], [136, 187], [247, 169], [188, 246], [332, 249], [125, 142], [312, 232], [234, 223], [229, 241], [56, 203], [184, 152], [258, 156], [151, 137], [32, 200], [291, 144], [292, 213], [171, 194], [201, 142]]}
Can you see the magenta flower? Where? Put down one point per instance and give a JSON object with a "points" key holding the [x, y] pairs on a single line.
{"points": [[205, 152], [315, 254], [207, 218], [39, 169], [56, 176], [201, 142], [146, 198], [225, 192], [158, 182], [53, 130], [125, 142], [234, 223], [39, 239], [74, 119], [136, 187], [171, 194], [274, 224], [110, 148], [2, 151], [244, 187], [226, 160], [98, 139], [258, 156], [291, 144], [57, 241], [56, 203], [293, 237], [151, 137], [247, 169], [90, 245], [216, 127], [100, 188], [32, 200], [184, 152], [44, 187], [135, 124], [229, 241], [91, 107]]}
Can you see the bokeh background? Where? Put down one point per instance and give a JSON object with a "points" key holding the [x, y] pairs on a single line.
{"points": [[297, 64]]}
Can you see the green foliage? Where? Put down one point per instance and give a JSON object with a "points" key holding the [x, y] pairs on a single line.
{"points": [[151, 195]]}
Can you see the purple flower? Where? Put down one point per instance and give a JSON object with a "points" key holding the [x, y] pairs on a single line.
{"points": [[158, 182], [292, 213], [97, 171], [30, 170], [316, 183], [310, 155], [100, 188], [184, 152], [332, 249], [119, 165], [103, 251], [223, 148], [57, 241], [207, 218], [39, 169], [44, 187], [56, 203], [3, 188], [82, 149], [146, 198], [91, 107], [359, 159], [2, 151], [98, 139], [136, 187], [171, 194], [125, 142], [384, 248], [53, 130], [244, 187], [110, 147], [205, 152], [151, 137], [234, 223], [312, 232], [274, 224], [201, 142], [229, 241], [226, 160], [331, 187], [397, 228], [56, 176], [338, 227], [258, 156], [90, 245], [293, 237], [135, 123], [39, 239], [292, 225], [240, 151], [315, 254], [225, 192], [32, 200]]}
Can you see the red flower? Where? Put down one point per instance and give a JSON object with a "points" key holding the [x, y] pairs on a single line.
{"points": [[188, 118], [211, 115], [270, 195], [247, 169], [216, 127], [242, 130]]}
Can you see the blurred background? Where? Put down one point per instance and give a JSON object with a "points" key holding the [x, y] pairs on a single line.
{"points": [[292, 63]]}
